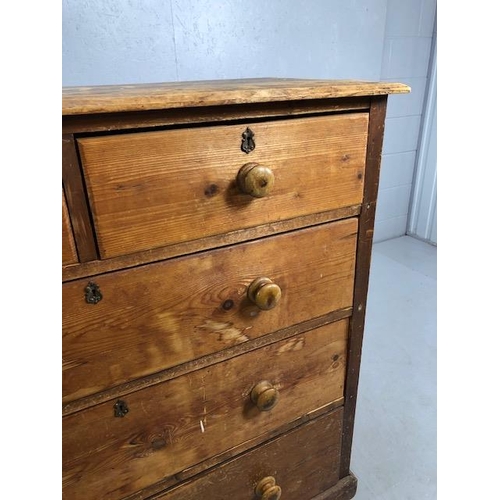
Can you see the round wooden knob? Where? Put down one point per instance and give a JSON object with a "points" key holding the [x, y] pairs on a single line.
{"points": [[267, 489], [264, 395], [255, 180], [264, 293]]}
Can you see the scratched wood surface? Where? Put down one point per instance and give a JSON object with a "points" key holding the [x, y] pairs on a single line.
{"points": [[304, 462], [164, 314], [184, 421], [137, 97], [152, 189], [69, 255], [208, 114]]}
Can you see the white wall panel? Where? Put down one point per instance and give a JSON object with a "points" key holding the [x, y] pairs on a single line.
{"points": [[406, 57], [401, 134], [397, 170], [423, 213], [408, 104], [408, 41]]}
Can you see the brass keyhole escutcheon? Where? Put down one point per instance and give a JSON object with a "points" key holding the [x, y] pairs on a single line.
{"points": [[121, 408], [247, 141], [92, 293]]}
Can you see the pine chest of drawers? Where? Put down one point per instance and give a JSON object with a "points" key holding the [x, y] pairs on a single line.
{"points": [[216, 251]]}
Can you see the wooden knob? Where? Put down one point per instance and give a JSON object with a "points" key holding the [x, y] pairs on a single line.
{"points": [[267, 489], [255, 180], [264, 395], [264, 293]]}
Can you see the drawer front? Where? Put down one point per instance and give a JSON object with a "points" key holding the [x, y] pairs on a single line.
{"points": [[69, 255], [157, 316], [153, 189], [184, 421], [303, 463]]}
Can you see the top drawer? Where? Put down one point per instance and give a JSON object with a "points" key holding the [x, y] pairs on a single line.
{"points": [[153, 189]]}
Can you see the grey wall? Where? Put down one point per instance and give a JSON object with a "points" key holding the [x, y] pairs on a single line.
{"points": [[132, 41], [407, 48]]}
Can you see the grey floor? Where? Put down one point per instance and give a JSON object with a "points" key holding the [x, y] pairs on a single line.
{"points": [[394, 448]]}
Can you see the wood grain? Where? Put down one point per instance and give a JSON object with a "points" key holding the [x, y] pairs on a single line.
{"points": [[105, 122], [154, 189], [189, 419], [87, 269], [137, 97], [69, 255], [121, 390], [363, 259], [232, 452], [77, 201], [161, 315], [304, 463]]}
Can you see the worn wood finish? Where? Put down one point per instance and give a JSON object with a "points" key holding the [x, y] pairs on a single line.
{"points": [[76, 201], [154, 317], [345, 489], [188, 419], [196, 364], [363, 259], [233, 452], [138, 97], [88, 269], [106, 122], [304, 462], [69, 255], [153, 189], [208, 391]]}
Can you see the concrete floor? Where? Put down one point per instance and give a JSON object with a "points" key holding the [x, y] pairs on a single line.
{"points": [[394, 448]]}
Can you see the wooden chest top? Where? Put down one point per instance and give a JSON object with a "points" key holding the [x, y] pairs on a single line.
{"points": [[145, 97]]}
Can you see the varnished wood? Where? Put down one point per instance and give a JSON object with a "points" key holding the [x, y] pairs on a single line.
{"points": [[105, 122], [267, 489], [153, 189], [264, 293], [165, 375], [89, 269], [264, 395], [166, 319], [217, 460], [217, 357], [255, 180], [76, 201], [138, 97], [188, 419], [304, 462], [69, 255], [363, 258], [233, 452]]}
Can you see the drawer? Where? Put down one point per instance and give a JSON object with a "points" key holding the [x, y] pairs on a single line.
{"points": [[160, 315], [69, 255], [303, 463], [154, 189], [185, 421]]}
